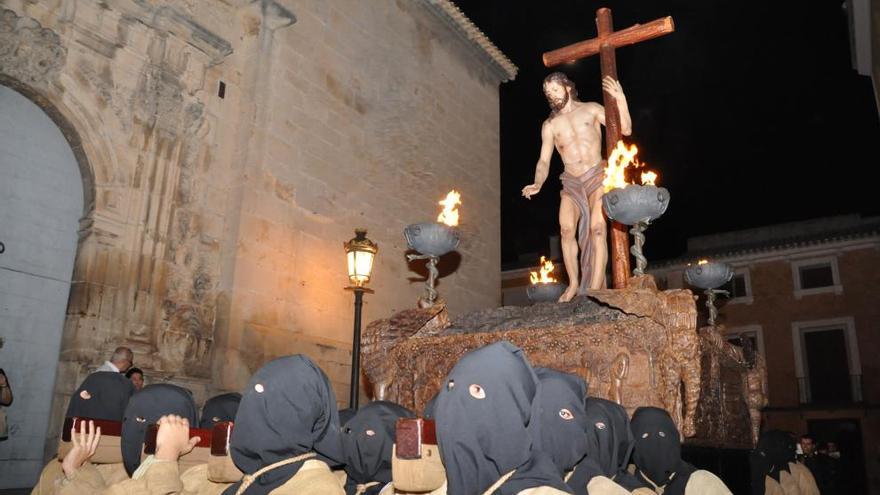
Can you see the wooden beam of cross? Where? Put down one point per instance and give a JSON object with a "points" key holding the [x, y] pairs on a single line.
{"points": [[604, 45]]}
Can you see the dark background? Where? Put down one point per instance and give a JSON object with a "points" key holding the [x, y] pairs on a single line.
{"points": [[750, 111]]}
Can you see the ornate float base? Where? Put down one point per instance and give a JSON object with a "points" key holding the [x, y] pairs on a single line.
{"points": [[637, 346]]}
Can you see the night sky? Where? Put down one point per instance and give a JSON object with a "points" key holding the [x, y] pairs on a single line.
{"points": [[750, 111]]}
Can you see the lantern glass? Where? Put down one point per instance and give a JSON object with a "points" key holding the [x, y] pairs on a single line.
{"points": [[360, 267], [359, 253]]}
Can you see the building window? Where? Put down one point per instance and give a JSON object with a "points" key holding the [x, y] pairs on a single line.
{"points": [[827, 361], [754, 333], [816, 276], [739, 287]]}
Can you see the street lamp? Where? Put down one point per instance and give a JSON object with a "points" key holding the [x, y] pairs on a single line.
{"points": [[360, 253]]}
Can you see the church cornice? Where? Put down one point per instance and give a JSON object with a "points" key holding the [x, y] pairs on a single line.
{"points": [[453, 17]]}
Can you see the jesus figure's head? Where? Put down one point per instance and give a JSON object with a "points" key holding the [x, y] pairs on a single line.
{"points": [[559, 89]]}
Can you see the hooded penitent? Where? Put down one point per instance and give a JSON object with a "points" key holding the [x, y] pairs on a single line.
{"points": [[287, 410], [367, 439], [657, 452], [484, 414], [780, 449], [101, 396], [145, 408], [562, 417], [610, 444], [219, 408]]}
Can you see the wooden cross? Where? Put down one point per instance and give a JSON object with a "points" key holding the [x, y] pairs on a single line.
{"points": [[604, 45]]}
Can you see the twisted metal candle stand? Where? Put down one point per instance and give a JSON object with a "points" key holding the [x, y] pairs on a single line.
{"points": [[711, 295], [433, 273], [638, 233]]}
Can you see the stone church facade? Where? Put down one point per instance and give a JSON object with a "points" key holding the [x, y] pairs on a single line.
{"points": [[228, 148]]}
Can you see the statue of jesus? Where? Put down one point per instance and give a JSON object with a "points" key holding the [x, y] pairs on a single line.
{"points": [[573, 129]]}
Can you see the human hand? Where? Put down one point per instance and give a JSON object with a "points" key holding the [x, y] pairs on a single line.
{"points": [[531, 190], [612, 86], [85, 443], [172, 440]]}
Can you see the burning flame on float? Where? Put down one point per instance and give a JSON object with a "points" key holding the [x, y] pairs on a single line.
{"points": [[621, 157], [546, 269], [449, 215]]}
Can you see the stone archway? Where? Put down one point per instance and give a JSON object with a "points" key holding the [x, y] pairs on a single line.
{"points": [[132, 105], [41, 203]]}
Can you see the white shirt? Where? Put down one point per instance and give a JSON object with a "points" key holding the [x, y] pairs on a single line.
{"points": [[108, 366]]}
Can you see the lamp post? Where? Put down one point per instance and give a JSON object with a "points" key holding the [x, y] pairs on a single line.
{"points": [[359, 253]]}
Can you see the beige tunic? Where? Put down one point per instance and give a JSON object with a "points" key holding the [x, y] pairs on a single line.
{"points": [[804, 478], [541, 490], [163, 478], [772, 487], [195, 480], [788, 483], [701, 482], [52, 476], [706, 483], [600, 485]]}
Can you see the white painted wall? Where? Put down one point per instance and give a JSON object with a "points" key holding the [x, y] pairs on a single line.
{"points": [[40, 206]]}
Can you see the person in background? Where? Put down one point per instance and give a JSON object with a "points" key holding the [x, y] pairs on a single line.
{"points": [[121, 360], [5, 401], [5, 390], [137, 378], [808, 446]]}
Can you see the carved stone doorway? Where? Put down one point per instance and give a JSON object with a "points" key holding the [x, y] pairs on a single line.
{"points": [[41, 202]]}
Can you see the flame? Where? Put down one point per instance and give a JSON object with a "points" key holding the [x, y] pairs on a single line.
{"points": [[622, 157], [449, 215], [546, 269], [702, 262]]}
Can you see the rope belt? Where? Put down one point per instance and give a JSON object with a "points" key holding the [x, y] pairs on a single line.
{"points": [[498, 483], [249, 479]]}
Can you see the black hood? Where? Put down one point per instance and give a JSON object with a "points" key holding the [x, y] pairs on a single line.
{"points": [[101, 395], [145, 408], [219, 409], [367, 439], [562, 416], [484, 414], [287, 410], [657, 452]]}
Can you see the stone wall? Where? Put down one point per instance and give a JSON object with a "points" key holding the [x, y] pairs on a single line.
{"points": [[212, 236]]}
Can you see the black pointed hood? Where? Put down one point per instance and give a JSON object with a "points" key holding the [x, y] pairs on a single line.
{"points": [[287, 410], [219, 409], [145, 408], [484, 414], [101, 395], [367, 439]]}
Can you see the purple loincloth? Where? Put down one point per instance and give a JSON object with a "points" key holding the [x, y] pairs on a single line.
{"points": [[579, 190]]}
